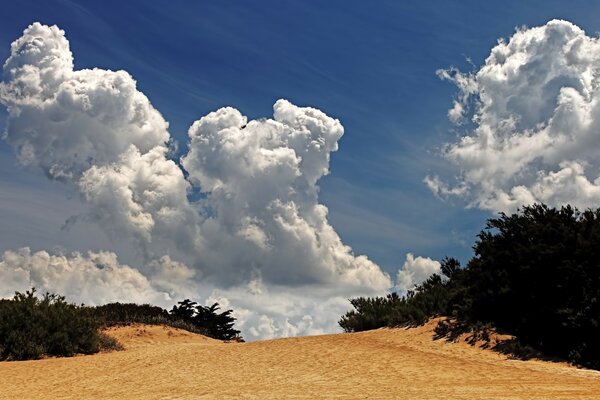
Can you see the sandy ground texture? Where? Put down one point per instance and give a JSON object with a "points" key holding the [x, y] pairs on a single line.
{"points": [[165, 363]]}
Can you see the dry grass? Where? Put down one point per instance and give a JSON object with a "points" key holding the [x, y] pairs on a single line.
{"points": [[166, 363]]}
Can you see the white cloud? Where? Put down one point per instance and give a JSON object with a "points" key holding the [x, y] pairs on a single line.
{"points": [[260, 179], [142, 196], [282, 311], [262, 312], [258, 232], [415, 271], [65, 121], [95, 278], [536, 110]]}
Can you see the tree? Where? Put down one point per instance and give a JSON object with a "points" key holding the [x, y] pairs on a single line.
{"points": [[185, 311], [535, 275], [216, 325]]}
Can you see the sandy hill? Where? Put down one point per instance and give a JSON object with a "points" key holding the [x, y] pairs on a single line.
{"points": [[166, 363]]}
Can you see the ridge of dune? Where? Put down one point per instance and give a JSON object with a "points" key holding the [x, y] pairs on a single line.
{"points": [[139, 335], [404, 363]]}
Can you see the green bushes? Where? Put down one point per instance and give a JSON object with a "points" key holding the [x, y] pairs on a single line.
{"points": [[535, 275], [31, 327], [187, 315], [429, 299], [129, 313]]}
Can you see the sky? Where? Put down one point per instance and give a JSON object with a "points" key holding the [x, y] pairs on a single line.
{"points": [[403, 128]]}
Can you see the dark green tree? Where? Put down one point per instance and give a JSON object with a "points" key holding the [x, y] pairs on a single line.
{"points": [[185, 310], [208, 319], [535, 275]]}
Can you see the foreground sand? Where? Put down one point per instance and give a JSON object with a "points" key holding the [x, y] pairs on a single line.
{"points": [[164, 363]]}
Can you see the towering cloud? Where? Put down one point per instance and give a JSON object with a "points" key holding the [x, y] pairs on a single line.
{"points": [[258, 230], [66, 121], [535, 109], [260, 178]]}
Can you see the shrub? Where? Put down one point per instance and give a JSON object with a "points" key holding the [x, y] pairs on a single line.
{"points": [[130, 313], [108, 343], [535, 275], [187, 315], [32, 327], [429, 299]]}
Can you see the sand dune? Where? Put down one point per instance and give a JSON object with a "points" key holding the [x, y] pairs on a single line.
{"points": [[165, 363]]}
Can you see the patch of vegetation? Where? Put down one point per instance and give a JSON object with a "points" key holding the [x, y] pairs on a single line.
{"points": [[33, 327], [429, 299], [535, 275], [519, 351], [187, 315], [129, 313], [114, 314], [109, 343]]}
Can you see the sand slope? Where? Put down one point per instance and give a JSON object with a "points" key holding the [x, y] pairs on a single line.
{"points": [[164, 363]]}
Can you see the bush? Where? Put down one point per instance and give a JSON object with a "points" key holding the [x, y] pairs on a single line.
{"points": [[429, 299], [109, 343], [535, 275], [130, 313], [32, 327], [187, 315]]}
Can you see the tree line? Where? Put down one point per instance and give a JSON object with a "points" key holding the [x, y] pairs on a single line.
{"points": [[33, 326], [535, 274]]}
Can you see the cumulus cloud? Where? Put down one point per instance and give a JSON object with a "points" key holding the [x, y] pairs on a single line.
{"points": [[258, 230], [260, 178], [95, 277], [143, 197], [281, 311], [536, 114], [262, 312], [415, 271], [65, 121]]}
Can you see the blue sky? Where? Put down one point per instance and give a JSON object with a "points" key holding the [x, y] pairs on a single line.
{"points": [[372, 65]]}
